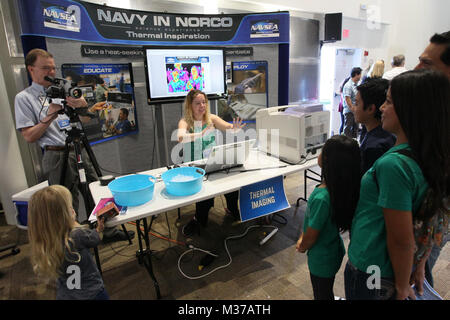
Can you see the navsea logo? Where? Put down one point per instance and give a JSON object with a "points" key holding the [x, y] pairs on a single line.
{"points": [[62, 18], [265, 29]]}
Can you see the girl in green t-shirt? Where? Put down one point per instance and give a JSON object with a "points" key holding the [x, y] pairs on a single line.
{"points": [[329, 212], [382, 247]]}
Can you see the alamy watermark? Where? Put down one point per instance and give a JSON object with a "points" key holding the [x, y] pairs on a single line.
{"points": [[74, 279], [374, 280], [268, 140]]}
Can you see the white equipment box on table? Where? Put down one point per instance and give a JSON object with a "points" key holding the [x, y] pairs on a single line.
{"points": [[292, 133]]}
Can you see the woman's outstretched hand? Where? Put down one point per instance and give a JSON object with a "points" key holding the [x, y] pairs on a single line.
{"points": [[237, 124]]}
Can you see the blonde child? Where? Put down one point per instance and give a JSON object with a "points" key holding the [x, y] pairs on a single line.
{"points": [[60, 246]]}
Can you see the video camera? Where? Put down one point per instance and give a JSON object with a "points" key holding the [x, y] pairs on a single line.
{"points": [[60, 90]]}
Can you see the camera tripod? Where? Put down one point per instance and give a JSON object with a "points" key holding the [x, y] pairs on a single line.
{"points": [[76, 140]]}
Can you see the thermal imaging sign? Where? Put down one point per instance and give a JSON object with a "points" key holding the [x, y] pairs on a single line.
{"points": [[185, 74]]}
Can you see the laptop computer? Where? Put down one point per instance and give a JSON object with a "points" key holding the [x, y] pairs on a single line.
{"points": [[226, 156]]}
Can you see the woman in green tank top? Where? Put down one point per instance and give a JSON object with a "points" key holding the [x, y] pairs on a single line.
{"points": [[197, 126], [197, 131]]}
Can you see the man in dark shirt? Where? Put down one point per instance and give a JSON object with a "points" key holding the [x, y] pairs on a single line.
{"points": [[376, 141], [122, 125], [436, 56]]}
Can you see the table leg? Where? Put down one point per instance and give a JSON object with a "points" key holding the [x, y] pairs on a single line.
{"points": [[305, 198]]}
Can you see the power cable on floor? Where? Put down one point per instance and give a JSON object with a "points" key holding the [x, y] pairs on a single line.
{"points": [[192, 249]]}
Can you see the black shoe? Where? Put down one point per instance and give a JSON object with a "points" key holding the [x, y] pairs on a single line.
{"points": [[190, 228], [235, 216], [117, 235]]}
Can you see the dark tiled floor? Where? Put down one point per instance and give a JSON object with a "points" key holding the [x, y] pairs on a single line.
{"points": [[271, 271]]}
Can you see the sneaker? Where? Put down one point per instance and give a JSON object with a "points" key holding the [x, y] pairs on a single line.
{"points": [[117, 235], [190, 228]]}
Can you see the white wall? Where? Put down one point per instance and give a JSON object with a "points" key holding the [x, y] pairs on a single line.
{"points": [[12, 174], [405, 25], [412, 31]]}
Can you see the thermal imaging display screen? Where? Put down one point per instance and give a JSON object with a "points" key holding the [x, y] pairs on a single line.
{"points": [[172, 72]]}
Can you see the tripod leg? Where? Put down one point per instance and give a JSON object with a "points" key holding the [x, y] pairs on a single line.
{"points": [[62, 177], [91, 155]]}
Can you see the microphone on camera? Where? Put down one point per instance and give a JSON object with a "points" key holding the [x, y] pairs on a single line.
{"points": [[55, 80]]}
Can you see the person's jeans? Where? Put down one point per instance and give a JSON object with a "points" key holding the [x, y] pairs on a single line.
{"points": [[434, 255], [356, 287], [322, 287], [341, 128], [350, 125]]}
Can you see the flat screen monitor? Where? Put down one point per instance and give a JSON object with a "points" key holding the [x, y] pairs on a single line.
{"points": [[171, 72]]}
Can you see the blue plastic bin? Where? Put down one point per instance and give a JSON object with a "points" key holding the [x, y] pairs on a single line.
{"points": [[183, 181], [133, 190], [22, 212], [20, 201]]}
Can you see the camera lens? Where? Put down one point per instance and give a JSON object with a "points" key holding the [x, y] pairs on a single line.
{"points": [[75, 93]]}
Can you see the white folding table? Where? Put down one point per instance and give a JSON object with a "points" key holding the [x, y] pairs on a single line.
{"points": [[257, 168]]}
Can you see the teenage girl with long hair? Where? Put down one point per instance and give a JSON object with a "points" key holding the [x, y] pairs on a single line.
{"points": [[330, 211], [392, 191]]}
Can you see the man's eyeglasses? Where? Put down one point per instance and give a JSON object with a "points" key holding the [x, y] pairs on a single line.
{"points": [[47, 68]]}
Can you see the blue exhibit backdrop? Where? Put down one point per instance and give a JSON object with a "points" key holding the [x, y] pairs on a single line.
{"points": [[108, 90], [83, 21], [89, 22]]}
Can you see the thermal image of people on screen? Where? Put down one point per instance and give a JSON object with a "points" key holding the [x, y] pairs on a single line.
{"points": [[184, 77]]}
